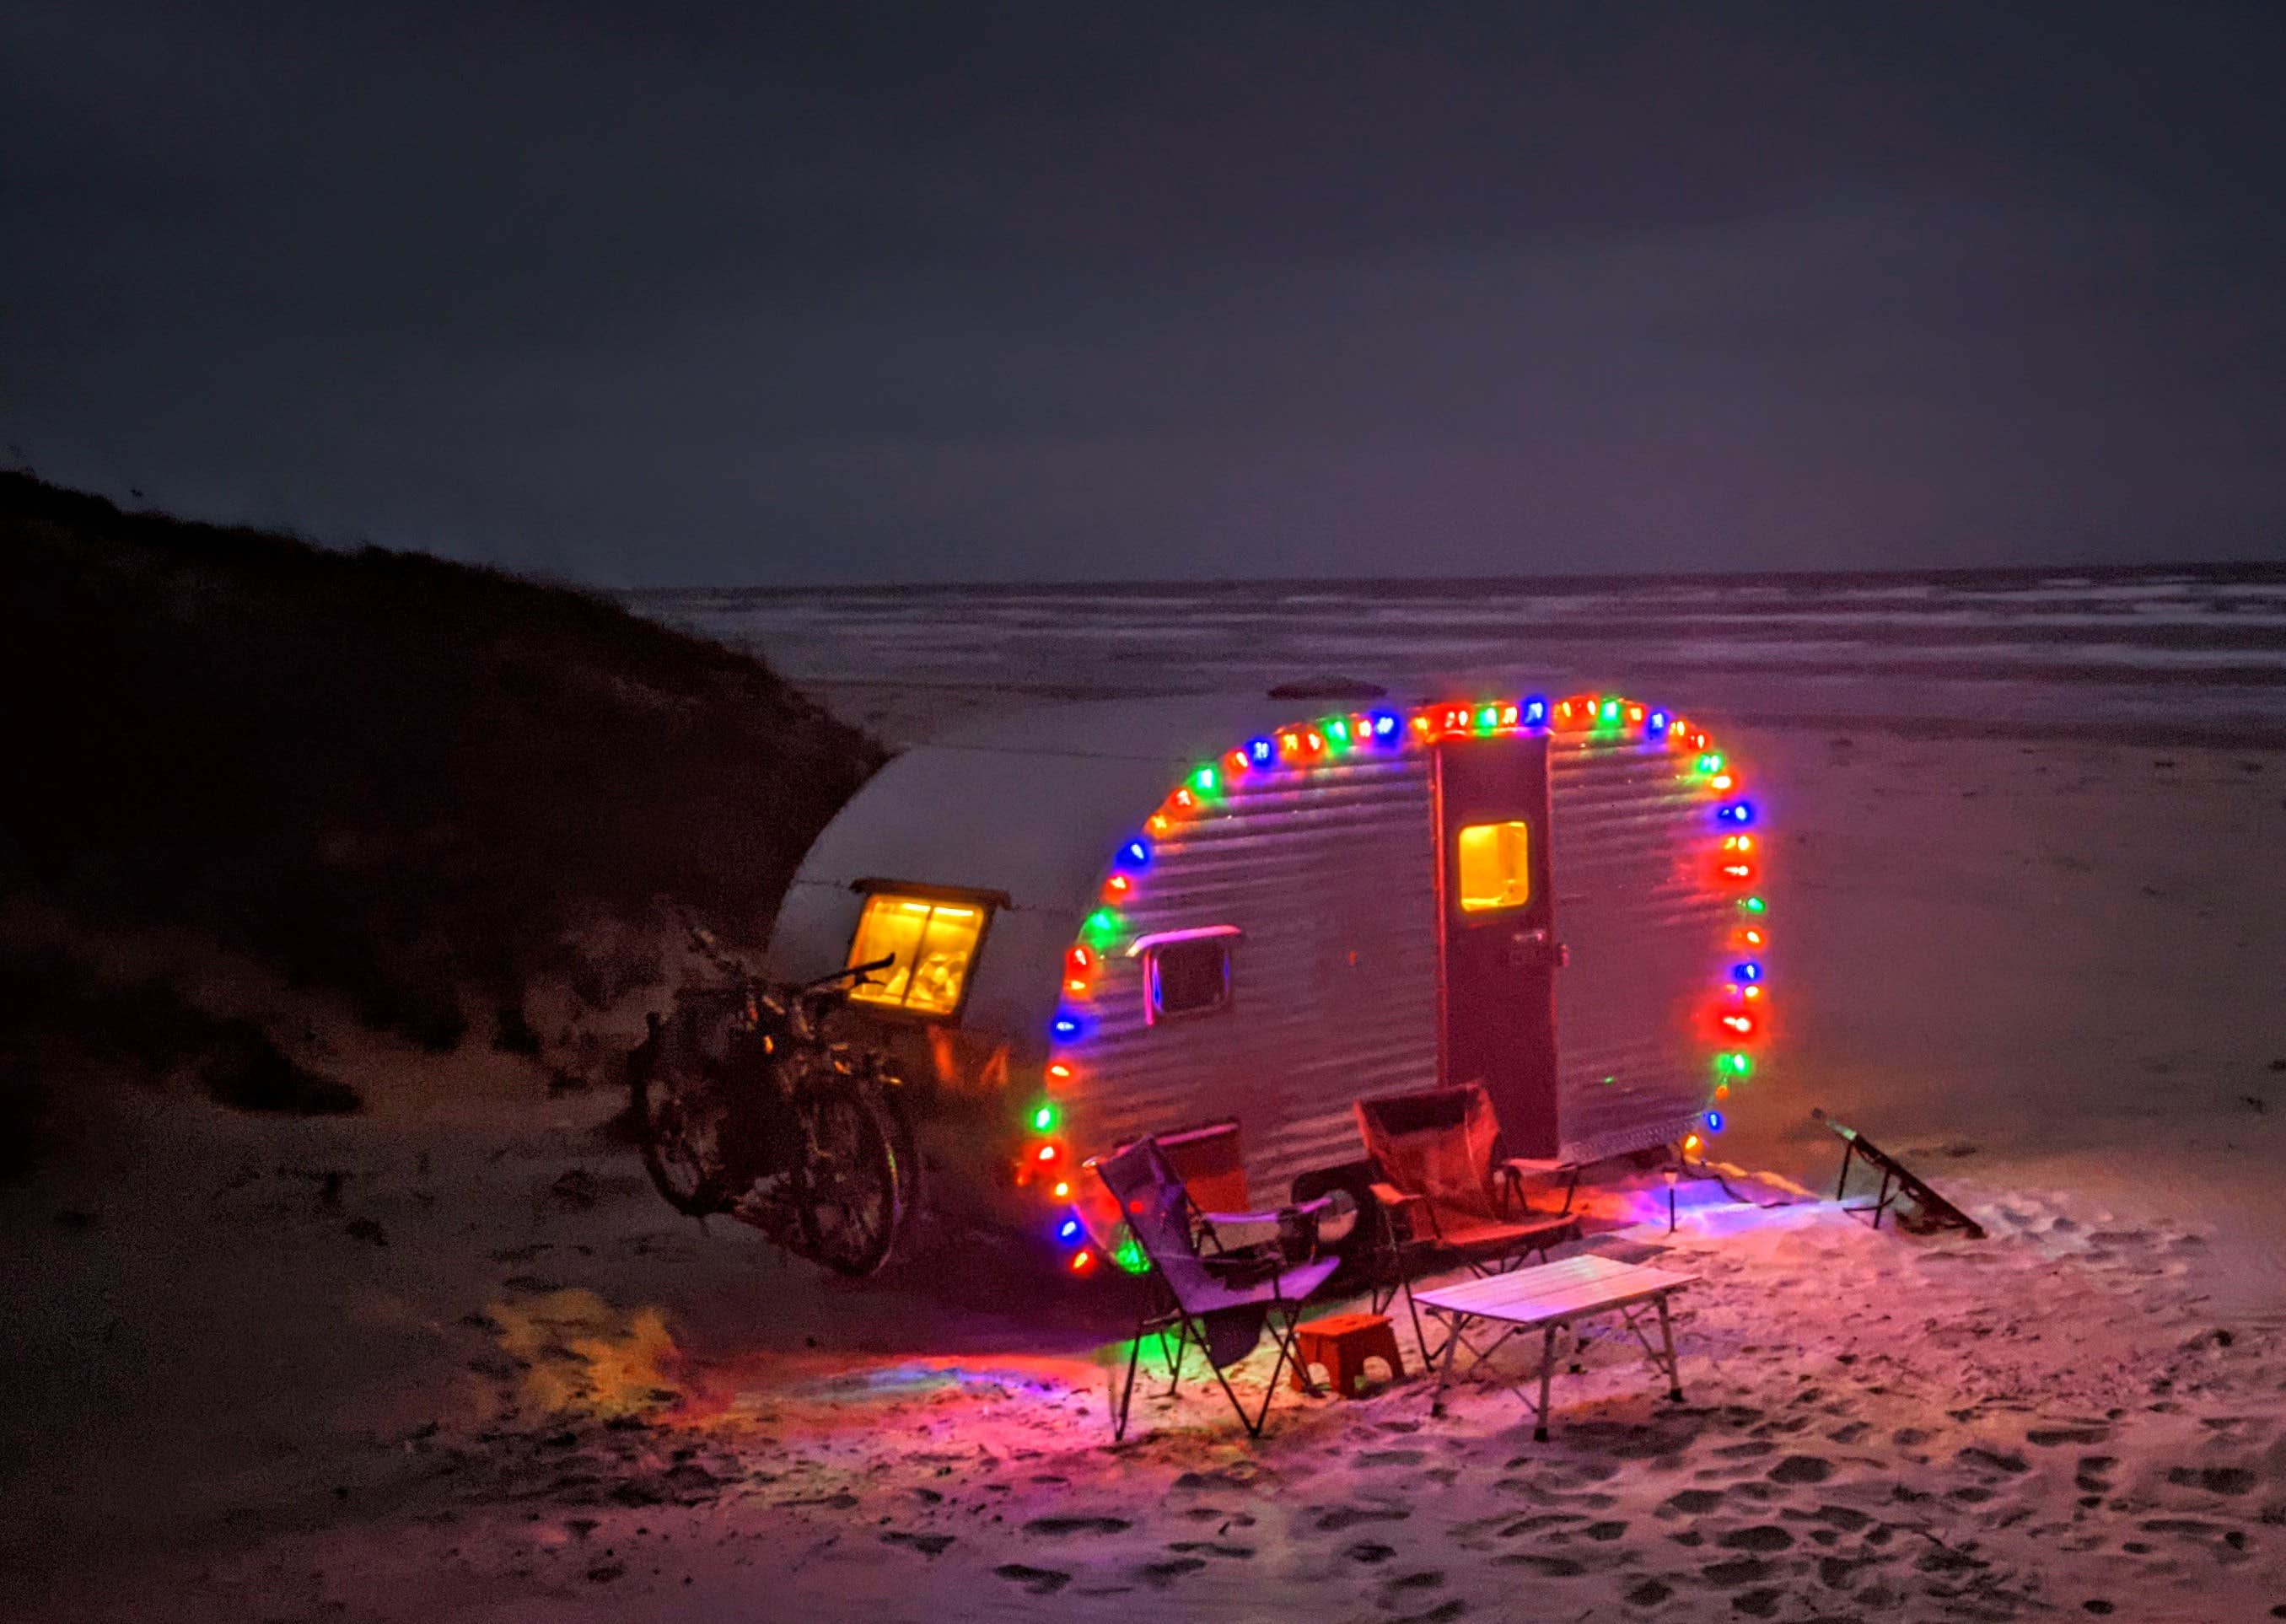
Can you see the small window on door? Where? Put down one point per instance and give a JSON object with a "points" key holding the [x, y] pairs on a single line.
{"points": [[933, 943], [1187, 972], [1494, 867]]}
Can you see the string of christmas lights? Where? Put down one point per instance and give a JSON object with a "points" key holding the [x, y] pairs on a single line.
{"points": [[1736, 1020]]}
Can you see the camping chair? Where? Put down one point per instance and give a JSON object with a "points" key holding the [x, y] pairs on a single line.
{"points": [[1441, 1190], [1220, 1300]]}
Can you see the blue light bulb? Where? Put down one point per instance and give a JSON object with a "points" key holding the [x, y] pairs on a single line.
{"points": [[1714, 1122], [1070, 1230], [1535, 710], [1748, 971], [1065, 1028], [1136, 853], [1261, 749]]}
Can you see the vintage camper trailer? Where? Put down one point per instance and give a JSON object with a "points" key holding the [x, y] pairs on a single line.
{"points": [[1123, 917]]}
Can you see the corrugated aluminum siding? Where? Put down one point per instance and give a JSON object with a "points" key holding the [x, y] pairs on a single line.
{"points": [[1329, 875], [1645, 930]]}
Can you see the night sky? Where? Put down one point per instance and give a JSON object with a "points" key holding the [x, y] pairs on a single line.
{"points": [[851, 293]]}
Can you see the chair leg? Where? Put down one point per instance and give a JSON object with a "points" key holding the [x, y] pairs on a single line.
{"points": [[1127, 1393], [1182, 1346]]}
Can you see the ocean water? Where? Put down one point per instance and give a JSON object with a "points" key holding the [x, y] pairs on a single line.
{"points": [[2196, 653]]}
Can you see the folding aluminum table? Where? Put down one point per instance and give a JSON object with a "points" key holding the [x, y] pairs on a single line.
{"points": [[1550, 1297]]}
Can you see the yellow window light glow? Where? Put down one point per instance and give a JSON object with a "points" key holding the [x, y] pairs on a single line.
{"points": [[933, 943], [1494, 867]]}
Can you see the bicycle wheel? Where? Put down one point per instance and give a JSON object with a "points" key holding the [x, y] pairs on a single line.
{"points": [[850, 1194], [681, 1111]]}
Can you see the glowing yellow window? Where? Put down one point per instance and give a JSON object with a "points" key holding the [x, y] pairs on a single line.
{"points": [[1494, 864], [932, 942]]}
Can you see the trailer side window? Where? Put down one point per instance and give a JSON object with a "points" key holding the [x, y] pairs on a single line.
{"points": [[1494, 867], [1188, 974], [933, 943]]}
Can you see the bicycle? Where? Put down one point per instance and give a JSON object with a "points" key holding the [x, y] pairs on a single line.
{"points": [[746, 1105]]}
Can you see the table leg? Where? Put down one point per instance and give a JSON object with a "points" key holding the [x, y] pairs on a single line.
{"points": [[1667, 1334]]}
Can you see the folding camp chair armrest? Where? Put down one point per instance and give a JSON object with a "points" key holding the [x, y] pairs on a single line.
{"points": [[1239, 1220], [1513, 1172], [1389, 1195]]}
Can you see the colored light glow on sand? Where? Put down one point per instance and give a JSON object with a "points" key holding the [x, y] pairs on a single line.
{"points": [[1130, 1257]]}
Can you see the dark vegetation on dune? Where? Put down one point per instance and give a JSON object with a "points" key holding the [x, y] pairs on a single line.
{"points": [[412, 781]]}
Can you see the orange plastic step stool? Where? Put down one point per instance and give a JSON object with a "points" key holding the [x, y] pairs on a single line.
{"points": [[1342, 1343]]}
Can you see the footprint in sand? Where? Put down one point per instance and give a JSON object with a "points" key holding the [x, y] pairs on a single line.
{"points": [[1763, 1538], [1159, 1576], [1350, 1517], [1037, 1580], [1058, 1526], [1734, 1572], [927, 1544], [1801, 1468], [1367, 1552], [1690, 1503], [1649, 1593]]}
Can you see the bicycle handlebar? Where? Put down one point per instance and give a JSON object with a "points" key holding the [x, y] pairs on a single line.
{"points": [[854, 973]]}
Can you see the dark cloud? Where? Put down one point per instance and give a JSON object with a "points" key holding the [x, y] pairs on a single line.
{"points": [[791, 292]]}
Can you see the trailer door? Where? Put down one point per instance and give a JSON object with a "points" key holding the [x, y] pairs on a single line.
{"points": [[1500, 956]]}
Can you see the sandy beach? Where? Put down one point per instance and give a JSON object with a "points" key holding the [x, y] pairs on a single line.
{"points": [[453, 1359]]}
